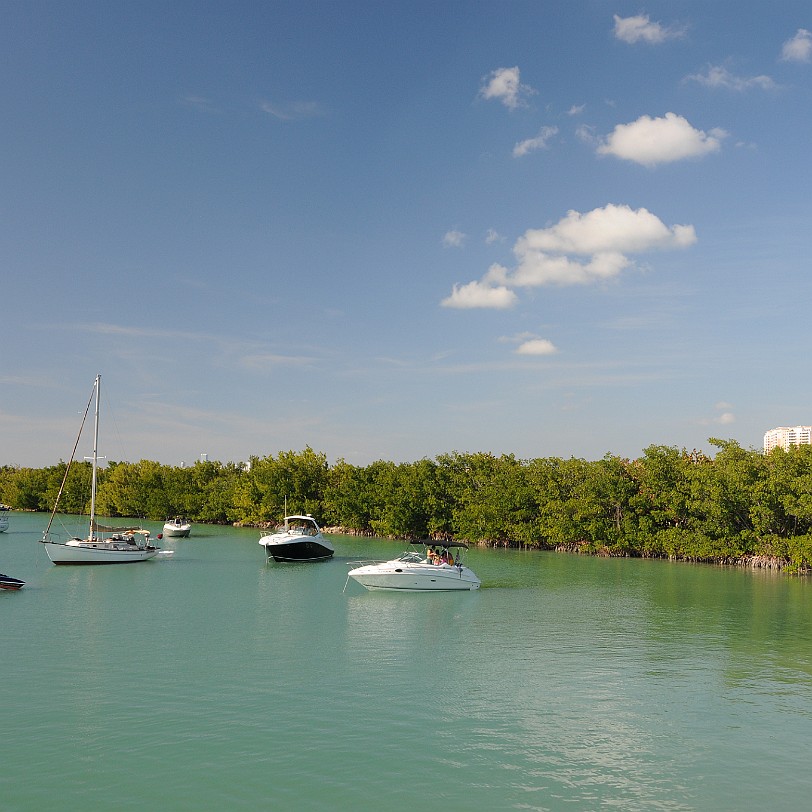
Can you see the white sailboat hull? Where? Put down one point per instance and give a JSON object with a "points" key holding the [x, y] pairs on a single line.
{"points": [[97, 552]]}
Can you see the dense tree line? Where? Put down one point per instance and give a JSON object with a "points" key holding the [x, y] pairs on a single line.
{"points": [[738, 505]]}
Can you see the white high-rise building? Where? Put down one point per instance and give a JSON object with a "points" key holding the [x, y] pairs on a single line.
{"points": [[786, 436]]}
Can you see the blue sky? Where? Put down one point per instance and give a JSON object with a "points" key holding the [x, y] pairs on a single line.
{"points": [[391, 230]]}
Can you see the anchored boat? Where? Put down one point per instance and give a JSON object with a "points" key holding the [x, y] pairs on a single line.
{"points": [[438, 568], [103, 544], [298, 539]]}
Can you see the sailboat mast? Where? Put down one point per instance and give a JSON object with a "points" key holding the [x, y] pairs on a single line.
{"points": [[95, 462]]}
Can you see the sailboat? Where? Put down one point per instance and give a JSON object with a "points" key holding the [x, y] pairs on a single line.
{"points": [[103, 545]]}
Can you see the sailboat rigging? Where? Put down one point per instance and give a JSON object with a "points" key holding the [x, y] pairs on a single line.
{"points": [[103, 545]]}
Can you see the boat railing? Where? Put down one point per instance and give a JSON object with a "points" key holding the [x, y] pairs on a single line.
{"points": [[369, 562]]}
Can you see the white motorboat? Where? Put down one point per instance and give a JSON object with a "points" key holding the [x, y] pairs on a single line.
{"points": [[415, 571], [103, 544], [178, 528], [298, 539], [4, 509]]}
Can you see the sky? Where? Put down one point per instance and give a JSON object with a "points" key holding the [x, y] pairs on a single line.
{"points": [[395, 230]]}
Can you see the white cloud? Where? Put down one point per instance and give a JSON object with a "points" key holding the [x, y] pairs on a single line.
{"points": [[530, 344], [492, 236], [537, 346], [576, 110], [454, 239], [612, 229], [651, 141], [798, 48], [718, 76], [536, 268], [504, 85], [532, 144], [480, 295], [553, 255], [641, 29]]}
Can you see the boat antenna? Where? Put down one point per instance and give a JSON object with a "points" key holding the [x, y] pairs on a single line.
{"points": [[70, 461]]}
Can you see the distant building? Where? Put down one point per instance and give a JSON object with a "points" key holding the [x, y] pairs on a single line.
{"points": [[785, 436]]}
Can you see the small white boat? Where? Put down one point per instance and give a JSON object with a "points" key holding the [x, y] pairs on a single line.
{"points": [[415, 571], [103, 545], [178, 528], [4, 509], [298, 539]]}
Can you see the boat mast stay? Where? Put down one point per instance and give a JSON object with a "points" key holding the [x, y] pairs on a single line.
{"points": [[72, 455]]}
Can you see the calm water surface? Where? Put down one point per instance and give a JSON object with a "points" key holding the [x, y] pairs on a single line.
{"points": [[213, 680]]}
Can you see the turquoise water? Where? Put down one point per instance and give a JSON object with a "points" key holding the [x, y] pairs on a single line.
{"points": [[213, 680]]}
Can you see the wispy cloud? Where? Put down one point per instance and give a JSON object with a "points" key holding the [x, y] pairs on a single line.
{"points": [[504, 85], [651, 141], [270, 360], [253, 355], [640, 28], [292, 111], [718, 76], [454, 239], [199, 103], [798, 48], [531, 144]]}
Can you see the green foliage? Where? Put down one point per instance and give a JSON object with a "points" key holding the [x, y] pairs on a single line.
{"points": [[668, 503]]}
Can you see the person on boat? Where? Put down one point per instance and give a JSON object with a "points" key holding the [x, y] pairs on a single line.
{"points": [[444, 557]]}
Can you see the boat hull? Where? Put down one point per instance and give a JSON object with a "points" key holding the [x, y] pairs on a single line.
{"points": [[99, 554], [7, 582], [395, 576], [175, 532], [298, 550]]}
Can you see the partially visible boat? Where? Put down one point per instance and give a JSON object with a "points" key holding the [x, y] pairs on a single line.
{"points": [[4, 509], [178, 528], [299, 538], [437, 568], [7, 582], [103, 544]]}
